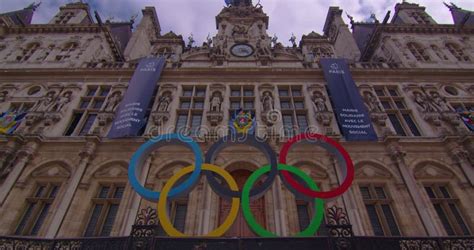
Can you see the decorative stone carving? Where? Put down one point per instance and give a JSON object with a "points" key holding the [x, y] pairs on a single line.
{"points": [[164, 102], [60, 102], [267, 101], [371, 102], [113, 102], [216, 102], [319, 102], [423, 102], [44, 103], [3, 96]]}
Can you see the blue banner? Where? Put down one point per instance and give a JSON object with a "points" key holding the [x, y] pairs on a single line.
{"points": [[130, 115], [352, 115]]}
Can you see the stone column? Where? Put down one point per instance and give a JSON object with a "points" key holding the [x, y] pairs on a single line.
{"points": [[349, 202], [461, 157], [86, 155], [135, 200], [398, 156], [23, 156]]}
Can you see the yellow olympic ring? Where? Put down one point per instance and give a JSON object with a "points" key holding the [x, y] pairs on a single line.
{"points": [[163, 215]]}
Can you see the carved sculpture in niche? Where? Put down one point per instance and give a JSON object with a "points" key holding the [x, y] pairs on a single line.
{"points": [[423, 101], [216, 101], [44, 103], [164, 102], [319, 102], [113, 102], [262, 50], [372, 103], [439, 102], [61, 102], [267, 101]]}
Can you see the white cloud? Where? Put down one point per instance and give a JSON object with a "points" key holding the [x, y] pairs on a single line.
{"points": [[198, 16]]}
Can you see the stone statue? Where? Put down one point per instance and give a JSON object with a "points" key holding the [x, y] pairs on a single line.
{"points": [[267, 101], [209, 40], [3, 96], [372, 102], [44, 103], [274, 40], [319, 102], [216, 101], [113, 102], [422, 101], [261, 50], [164, 102], [61, 101], [293, 40], [191, 41], [439, 101]]}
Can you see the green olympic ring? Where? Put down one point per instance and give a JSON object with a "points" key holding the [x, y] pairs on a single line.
{"points": [[256, 227]]}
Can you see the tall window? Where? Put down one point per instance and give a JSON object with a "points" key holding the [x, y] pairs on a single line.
{"points": [[28, 52], [460, 107], [66, 51], [242, 97], [447, 209], [421, 17], [418, 52], [378, 205], [104, 210], [293, 110], [191, 110], [37, 208], [85, 115], [457, 52], [20, 107], [398, 113]]}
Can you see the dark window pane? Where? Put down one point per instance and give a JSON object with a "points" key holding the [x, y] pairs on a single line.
{"points": [[235, 92], [98, 104], [459, 218], [75, 120], [88, 124], [299, 105], [195, 124], [285, 105], [180, 217], [200, 92], [296, 92], [93, 221], [386, 105], [374, 220], [445, 192], [444, 219], [40, 191], [411, 125], [104, 191], [396, 124], [84, 104], [91, 91], [119, 192], [380, 193], [303, 216], [26, 217], [457, 107], [54, 191], [393, 92], [430, 192], [390, 220], [379, 92], [185, 105], [181, 124], [288, 125], [302, 123], [400, 105], [283, 92], [248, 92], [188, 92], [198, 105], [41, 217], [365, 193], [235, 105], [109, 220], [248, 105], [104, 92]]}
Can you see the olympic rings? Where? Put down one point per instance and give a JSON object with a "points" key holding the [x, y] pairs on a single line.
{"points": [[333, 147], [138, 159], [164, 218], [248, 140], [231, 191], [257, 228]]}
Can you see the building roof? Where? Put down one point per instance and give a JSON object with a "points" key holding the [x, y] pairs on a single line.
{"points": [[22, 17]]}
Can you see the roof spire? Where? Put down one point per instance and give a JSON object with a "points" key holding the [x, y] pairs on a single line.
{"points": [[33, 6]]}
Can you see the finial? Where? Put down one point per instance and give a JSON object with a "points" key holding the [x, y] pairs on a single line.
{"points": [[133, 18], [33, 6], [350, 18]]}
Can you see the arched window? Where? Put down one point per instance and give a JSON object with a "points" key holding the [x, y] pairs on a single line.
{"points": [[418, 52], [28, 52], [457, 52]]}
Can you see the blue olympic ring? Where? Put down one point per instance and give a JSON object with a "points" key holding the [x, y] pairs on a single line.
{"points": [[138, 159]]}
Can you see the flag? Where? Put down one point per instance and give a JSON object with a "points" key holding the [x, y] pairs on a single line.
{"points": [[242, 122], [468, 119], [9, 122]]}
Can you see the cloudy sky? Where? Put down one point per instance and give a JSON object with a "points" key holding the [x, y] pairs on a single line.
{"points": [[198, 16]]}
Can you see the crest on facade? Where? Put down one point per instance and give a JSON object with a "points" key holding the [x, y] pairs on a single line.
{"points": [[9, 121], [242, 122]]}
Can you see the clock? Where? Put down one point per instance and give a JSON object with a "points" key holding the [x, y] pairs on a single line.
{"points": [[242, 50]]}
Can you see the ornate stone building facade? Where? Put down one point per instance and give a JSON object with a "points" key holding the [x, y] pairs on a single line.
{"points": [[62, 178]]}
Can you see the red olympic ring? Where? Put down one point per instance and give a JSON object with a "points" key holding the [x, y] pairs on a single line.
{"points": [[308, 192]]}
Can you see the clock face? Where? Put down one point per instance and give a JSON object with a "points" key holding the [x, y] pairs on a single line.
{"points": [[242, 50]]}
